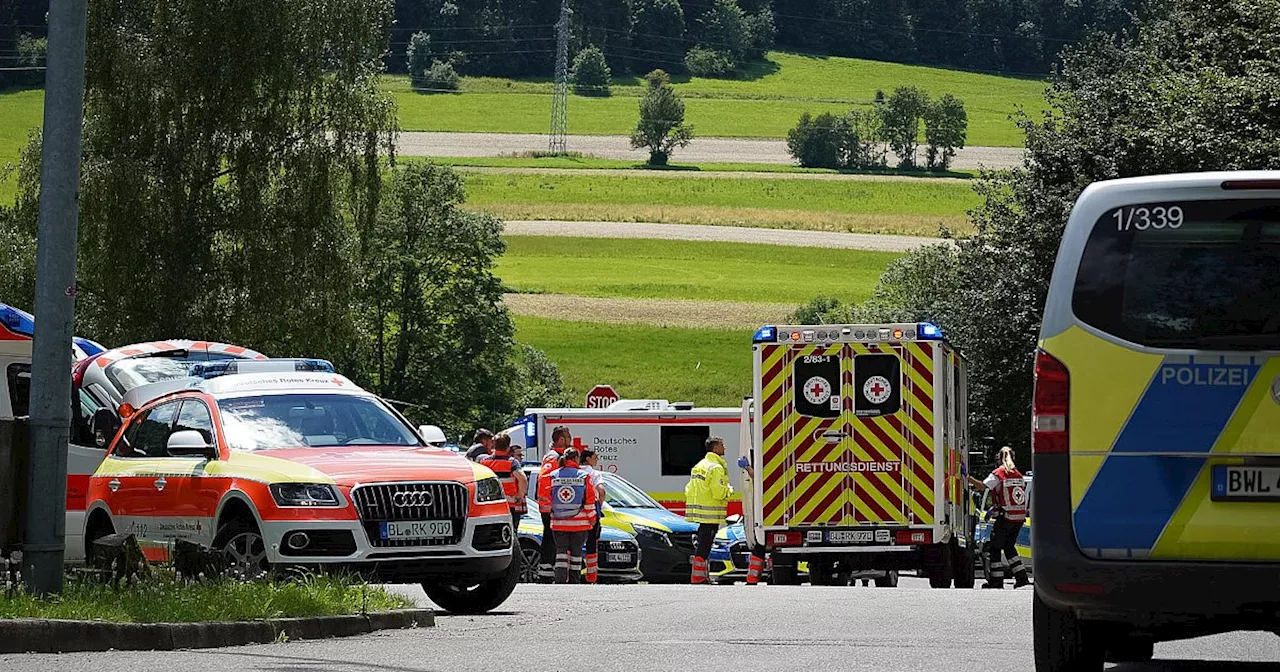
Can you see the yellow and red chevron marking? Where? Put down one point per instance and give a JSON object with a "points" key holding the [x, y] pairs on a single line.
{"points": [[917, 400]]}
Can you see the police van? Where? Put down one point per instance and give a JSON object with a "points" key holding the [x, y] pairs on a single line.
{"points": [[1156, 419]]}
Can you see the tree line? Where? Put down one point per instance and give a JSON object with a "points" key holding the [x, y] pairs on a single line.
{"points": [[238, 184]]}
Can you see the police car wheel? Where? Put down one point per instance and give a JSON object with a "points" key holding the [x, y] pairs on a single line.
{"points": [[475, 597], [1062, 643], [530, 556]]}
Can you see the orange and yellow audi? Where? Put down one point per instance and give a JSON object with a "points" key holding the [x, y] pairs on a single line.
{"points": [[283, 463]]}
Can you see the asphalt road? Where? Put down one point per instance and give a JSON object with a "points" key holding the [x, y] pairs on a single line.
{"points": [[701, 150], [689, 629]]}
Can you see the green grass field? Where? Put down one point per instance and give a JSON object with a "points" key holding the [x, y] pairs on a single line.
{"points": [[20, 111], [890, 206], [669, 269], [707, 367], [766, 104]]}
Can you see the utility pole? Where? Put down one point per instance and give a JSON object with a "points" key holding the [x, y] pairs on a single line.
{"points": [[560, 100], [42, 554]]}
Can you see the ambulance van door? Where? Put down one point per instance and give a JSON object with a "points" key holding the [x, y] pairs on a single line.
{"points": [[883, 473]]}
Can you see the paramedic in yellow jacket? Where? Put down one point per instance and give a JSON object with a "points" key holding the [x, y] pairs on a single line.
{"points": [[706, 499]]}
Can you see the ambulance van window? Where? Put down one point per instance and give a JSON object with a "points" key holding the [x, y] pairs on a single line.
{"points": [[682, 448], [19, 380], [195, 416], [1190, 275], [148, 435]]}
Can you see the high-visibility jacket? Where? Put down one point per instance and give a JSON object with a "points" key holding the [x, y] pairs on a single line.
{"points": [[707, 494], [505, 467], [550, 462], [1011, 494], [573, 499]]}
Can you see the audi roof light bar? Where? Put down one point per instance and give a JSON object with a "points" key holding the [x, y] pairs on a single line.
{"points": [[228, 367]]}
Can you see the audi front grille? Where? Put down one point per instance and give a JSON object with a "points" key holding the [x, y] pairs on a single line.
{"points": [[409, 502]]}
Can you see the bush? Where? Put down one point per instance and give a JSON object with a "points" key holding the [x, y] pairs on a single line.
{"points": [[761, 32], [946, 127], [661, 22], [419, 60], [704, 62], [819, 142], [440, 77], [591, 76]]}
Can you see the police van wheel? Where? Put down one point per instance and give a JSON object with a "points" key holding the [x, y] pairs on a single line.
{"points": [[1061, 641], [475, 598]]}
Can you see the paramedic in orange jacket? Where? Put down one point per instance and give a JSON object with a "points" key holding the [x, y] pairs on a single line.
{"points": [[560, 440], [573, 514]]}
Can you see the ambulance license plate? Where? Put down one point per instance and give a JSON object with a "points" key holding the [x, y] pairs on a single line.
{"points": [[1245, 484], [851, 536], [617, 557], [422, 529]]}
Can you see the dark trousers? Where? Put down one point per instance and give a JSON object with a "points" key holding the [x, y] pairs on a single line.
{"points": [[1004, 540], [569, 559], [593, 540], [706, 537], [547, 563]]}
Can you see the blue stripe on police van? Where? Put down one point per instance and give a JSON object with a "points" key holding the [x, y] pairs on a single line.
{"points": [[1135, 493]]}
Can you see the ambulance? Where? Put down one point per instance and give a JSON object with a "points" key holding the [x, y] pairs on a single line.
{"points": [[653, 443], [860, 437]]}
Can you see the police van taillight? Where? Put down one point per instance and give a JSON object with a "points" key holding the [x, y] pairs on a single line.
{"points": [[1050, 405]]}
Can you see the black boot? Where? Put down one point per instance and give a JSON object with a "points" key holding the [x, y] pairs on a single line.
{"points": [[994, 584], [1020, 580]]}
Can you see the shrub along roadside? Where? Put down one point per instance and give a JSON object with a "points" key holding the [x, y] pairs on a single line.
{"points": [[163, 599]]}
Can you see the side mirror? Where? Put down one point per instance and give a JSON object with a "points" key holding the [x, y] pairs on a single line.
{"points": [[105, 425], [432, 435], [191, 443], [734, 519]]}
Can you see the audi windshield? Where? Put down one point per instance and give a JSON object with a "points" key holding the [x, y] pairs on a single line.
{"points": [[266, 422]]}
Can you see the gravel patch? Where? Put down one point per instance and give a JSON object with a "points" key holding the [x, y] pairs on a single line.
{"points": [[727, 234], [653, 312]]}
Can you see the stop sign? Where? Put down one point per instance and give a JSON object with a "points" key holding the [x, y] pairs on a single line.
{"points": [[601, 396]]}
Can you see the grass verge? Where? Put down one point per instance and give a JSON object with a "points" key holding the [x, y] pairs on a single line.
{"points": [[21, 111], [165, 600], [866, 206], [710, 367], [670, 269], [579, 162]]}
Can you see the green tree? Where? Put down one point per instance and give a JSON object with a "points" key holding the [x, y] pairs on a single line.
{"points": [[661, 128], [900, 116], [657, 27], [704, 62], [221, 183], [761, 32], [433, 328], [724, 28], [419, 59], [591, 75], [819, 142], [946, 127], [1192, 88]]}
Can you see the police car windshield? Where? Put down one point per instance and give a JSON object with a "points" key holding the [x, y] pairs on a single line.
{"points": [[622, 494], [267, 422], [1210, 282]]}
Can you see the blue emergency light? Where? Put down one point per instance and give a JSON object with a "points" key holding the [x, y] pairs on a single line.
{"points": [[929, 332], [765, 335], [227, 367], [18, 321]]}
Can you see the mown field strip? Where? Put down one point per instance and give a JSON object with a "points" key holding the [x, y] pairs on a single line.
{"points": [[700, 271], [652, 312], [724, 234]]}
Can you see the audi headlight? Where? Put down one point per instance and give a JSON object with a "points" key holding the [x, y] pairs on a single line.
{"points": [[653, 536], [489, 490], [305, 494]]}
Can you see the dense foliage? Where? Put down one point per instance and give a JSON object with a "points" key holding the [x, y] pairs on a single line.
{"points": [[862, 138], [1194, 86], [242, 195], [591, 75], [661, 128]]}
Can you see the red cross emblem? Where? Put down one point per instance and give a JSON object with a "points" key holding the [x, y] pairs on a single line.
{"points": [[578, 444], [877, 389], [817, 390], [338, 382]]}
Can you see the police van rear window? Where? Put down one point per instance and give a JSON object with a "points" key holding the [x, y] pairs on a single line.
{"points": [[1189, 275]]}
